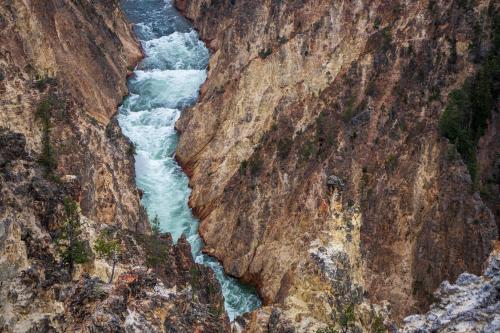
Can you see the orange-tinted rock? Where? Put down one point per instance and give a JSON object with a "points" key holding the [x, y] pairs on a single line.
{"points": [[299, 91]]}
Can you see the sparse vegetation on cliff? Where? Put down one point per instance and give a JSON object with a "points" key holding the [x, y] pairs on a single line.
{"points": [[346, 321], [391, 163], [70, 243], [284, 148], [42, 82], [328, 329], [469, 108], [155, 249], [377, 325], [131, 149], [109, 249], [264, 53], [282, 39], [308, 150], [254, 165], [47, 157]]}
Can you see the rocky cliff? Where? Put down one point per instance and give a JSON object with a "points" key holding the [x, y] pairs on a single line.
{"points": [[335, 153], [65, 167], [470, 305], [71, 59]]}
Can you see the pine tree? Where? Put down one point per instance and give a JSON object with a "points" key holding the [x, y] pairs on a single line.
{"points": [[47, 158], [156, 252], [347, 319], [109, 249], [70, 245]]}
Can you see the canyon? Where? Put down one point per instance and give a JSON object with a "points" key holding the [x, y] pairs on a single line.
{"points": [[319, 170], [65, 166], [324, 160]]}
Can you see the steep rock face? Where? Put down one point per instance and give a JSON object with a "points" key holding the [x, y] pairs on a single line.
{"points": [[472, 304], [75, 57], [63, 67], [38, 294], [180, 297], [315, 156], [71, 41]]}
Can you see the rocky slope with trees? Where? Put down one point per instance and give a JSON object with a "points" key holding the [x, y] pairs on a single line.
{"points": [[76, 250]]}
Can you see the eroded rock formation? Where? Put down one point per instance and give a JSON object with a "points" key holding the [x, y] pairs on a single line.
{"points": [[75, 57], [472, 304], [316, 161], [63, 68]]}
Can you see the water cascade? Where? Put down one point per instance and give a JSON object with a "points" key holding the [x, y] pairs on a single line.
{"points": [[163, 84]]}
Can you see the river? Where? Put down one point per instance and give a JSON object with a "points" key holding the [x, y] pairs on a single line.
{"points": [[163, 84]]}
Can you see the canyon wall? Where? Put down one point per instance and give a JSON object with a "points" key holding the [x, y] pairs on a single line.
{"points": [[63, 68], [75, 58], [472, 304], [318, 167]]}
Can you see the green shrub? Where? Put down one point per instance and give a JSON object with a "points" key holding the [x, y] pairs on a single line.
{"points": [[284, 148], [131, 150], [347, 318], [264, 53], [47, 158], [328, 329], [486, 192], [386, 39], [243, 168], [42, 82], [325, 129], [307, 150], [156, 251], [418, 287], [452, 60], [194, 272], [70, 244], [377, 325], [433, 8], [363, 181], [282, 39], [346, 321], [348, 113], [391, 162], [451, 124], [466, 115], [44, 108], [397, 9], [216, 310], [256, 166], [109, 249]]}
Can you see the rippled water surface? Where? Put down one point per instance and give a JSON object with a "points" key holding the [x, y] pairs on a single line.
{"points": [[163, 84]]}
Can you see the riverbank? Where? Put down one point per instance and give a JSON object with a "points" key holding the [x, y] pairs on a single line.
{"points": [[163, 84]]}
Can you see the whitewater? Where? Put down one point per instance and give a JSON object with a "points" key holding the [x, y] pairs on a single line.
{"points": [[163, 84]]}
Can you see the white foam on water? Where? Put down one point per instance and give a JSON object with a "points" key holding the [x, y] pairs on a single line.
{"points": [[176, 51], [150, 129], [162, 181], [166, 88], [144, 30], [167, 81]]}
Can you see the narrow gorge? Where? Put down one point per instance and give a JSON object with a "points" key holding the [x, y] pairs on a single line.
{"points": [[249, 166], [165, 83], [77, 253]]}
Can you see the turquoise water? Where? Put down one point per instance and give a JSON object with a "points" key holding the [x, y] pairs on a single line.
{"points": [[163, 84]]}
